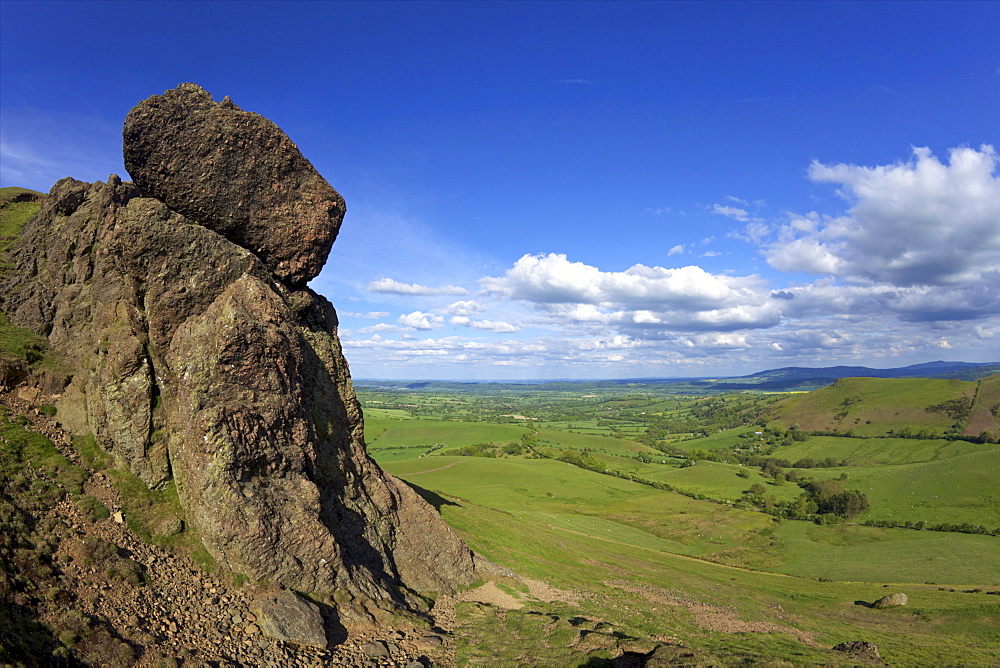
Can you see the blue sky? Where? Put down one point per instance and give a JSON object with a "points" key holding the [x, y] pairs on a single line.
{"points": [[584, 190]]}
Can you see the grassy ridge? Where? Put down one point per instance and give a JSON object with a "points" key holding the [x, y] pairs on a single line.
{"points": [[876, 406]]}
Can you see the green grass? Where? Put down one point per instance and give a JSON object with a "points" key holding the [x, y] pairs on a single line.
{"points": [[382, 433], [145, 509], [874, 406], [871, 554], [19, 343], [578, 530], [557, 497], [957, 490], [90, 453], [15, 342], [866, 451]]}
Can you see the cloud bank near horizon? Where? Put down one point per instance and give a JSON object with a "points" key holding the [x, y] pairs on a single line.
{"points": [[909, 268]]}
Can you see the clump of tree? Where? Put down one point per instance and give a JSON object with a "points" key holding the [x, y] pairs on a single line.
{"points": [[943, 526], [582, 460], [823, 501]]}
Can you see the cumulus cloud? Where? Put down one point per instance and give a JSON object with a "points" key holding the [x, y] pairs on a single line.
{"points": [[554, 279], [647, 301], [676, 250], [468, 307], [421, 320], [392, 286], [920, 222]]}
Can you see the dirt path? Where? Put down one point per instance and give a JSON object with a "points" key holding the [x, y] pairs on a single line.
{"points": [[442, 468]]}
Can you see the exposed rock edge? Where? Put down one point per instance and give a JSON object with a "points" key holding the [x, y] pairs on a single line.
{"points": [[198, 360]]}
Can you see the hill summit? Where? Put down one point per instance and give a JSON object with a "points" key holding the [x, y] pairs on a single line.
{"points": [[187, 343]]}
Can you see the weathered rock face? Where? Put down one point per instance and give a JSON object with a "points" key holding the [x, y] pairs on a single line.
{"points": [[192, 360], [237, 173]]}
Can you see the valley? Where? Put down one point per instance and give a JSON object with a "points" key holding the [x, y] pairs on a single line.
{"points": [[669, 515]]}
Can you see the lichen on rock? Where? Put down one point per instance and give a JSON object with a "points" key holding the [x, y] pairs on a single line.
{"points": [[195, 353]]}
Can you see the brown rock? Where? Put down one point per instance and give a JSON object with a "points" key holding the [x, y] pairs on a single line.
{"points": [[859, 649], [237, 173], [890, 601], [187, 359], [286, 616]]}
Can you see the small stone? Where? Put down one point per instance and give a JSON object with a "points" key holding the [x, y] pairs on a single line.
{"points": [[170, 526], [375, 648], [118, 517], [251, 630], [859, 649], [430, 641]]}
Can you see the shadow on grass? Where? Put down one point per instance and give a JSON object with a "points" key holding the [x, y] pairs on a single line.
{"points": [[430, 497], [865, 604]]}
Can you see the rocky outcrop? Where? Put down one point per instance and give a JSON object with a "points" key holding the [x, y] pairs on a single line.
{"points": [[192, 351], [237, 173]]}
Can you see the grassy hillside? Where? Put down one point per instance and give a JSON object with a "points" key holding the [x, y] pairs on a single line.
{"points": [[880, 406], [627, 562], [660, 538], [985, 413], [17, 206]]}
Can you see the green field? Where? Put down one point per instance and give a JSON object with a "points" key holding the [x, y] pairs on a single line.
{"points": [[579, 531], [700, 567]]}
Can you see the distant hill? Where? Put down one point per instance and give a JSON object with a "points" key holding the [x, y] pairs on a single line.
{"points": [[933, 407], [807, 378], [786, 379]]}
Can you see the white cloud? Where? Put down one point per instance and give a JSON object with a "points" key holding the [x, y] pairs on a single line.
{"points": [[392, 286], [381, 327], [733, 212], [465, 308], [488, 325], [676, 250], [371, 315], [553, 279], [646, 302], [804, 254], [921, 222], [421, 320]]}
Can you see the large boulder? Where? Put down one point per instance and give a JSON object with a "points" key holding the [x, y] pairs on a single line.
{"points": [[237, 173], [192, 361], [891, 601]]}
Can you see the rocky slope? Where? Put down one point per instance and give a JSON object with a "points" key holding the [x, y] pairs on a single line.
{"points": [[189, 346], [80, 586]]}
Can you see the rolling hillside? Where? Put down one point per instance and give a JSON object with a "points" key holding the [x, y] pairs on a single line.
{"points": [[896, 406]]}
